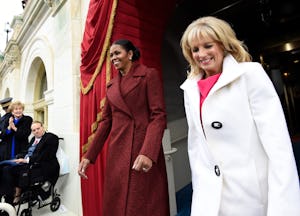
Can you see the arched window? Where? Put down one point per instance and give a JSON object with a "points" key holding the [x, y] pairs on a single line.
{"points": [[39, 104]]}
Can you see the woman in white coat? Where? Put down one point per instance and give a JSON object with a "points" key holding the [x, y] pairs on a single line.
{"points": [[239, 147]]}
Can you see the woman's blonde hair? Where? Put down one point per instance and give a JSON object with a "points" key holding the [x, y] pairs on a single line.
{"points": [[15, 104], [218, 30]]}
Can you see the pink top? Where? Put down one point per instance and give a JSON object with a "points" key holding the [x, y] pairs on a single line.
{"points": [[205, 86]]}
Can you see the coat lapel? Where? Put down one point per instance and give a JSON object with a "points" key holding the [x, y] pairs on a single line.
{"points": [[191, 88], [114, 95], [132, 81], [135, 76], [40, 143], [231, 71]]}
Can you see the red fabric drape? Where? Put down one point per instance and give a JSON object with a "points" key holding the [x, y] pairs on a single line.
{"points": [[142, 22], [91, 47]]}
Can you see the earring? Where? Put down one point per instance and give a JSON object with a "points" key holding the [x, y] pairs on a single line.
{"points": [[130, 58]]}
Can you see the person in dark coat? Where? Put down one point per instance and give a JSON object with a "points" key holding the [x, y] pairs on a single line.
{"points": [[41, 153], [16, 131], [3, 121], [134, 115]]}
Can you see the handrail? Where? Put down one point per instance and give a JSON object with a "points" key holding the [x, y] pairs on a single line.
{"points": [[172, 151], [168, 153]]}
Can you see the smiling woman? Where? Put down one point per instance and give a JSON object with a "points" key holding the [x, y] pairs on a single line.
{"points": [[222, 109], [134, 116], [7, 11], [15, 138]]}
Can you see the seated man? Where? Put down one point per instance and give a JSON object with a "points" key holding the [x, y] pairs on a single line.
{"points": [[42, 151]]}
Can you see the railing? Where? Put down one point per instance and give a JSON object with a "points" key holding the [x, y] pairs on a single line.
{"points": [[168, 151]]}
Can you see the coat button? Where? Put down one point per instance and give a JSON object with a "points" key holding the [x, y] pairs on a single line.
{"points": [[217, 170], [216, 125]]}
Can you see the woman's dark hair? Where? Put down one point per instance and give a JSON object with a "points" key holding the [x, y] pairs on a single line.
{"points": [[128, 45]]}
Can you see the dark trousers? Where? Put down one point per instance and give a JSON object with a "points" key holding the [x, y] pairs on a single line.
{"points": [[9, 179]]}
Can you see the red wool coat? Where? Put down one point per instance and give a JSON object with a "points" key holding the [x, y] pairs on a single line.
{"points": [[135, 119]]}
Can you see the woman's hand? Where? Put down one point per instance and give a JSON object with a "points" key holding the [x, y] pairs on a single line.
{"points": [[82, 167], [142, 163], [11, 124]]}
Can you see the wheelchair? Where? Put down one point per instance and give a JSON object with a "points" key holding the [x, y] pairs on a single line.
{"points": [[36, 191]]}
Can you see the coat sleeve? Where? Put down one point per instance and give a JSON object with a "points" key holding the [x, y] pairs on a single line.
{"points": [[24, 128], [101, 134], [283, 181], [157, 119]]}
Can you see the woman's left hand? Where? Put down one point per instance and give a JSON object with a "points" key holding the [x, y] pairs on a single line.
{"points": [[82, 167], [142, 163]]}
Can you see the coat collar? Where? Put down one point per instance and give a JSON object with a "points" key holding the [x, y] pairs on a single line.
{"points": [[133, 78], [40, 143], [230, 72]]}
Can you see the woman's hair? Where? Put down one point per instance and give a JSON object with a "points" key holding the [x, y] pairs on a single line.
{"points": [[218, 30], [15, 104], [128, 45]]}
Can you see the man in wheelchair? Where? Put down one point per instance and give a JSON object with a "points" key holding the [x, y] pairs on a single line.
{"points": [[38, 164]]}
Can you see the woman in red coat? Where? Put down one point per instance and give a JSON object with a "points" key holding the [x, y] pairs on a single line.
{"points": [[134, 116]]}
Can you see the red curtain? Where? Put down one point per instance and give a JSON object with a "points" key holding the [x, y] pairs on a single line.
{"points": [[142, 22]]}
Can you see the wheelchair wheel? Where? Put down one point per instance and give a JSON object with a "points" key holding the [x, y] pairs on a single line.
{"points": [[55, 203], [3, 213], [26, 212]]}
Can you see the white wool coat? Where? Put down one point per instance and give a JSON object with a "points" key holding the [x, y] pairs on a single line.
{"points": [[241, 155]]}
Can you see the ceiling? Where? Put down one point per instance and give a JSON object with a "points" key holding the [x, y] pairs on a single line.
{"points": [[270, 28], [264, 25]]}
